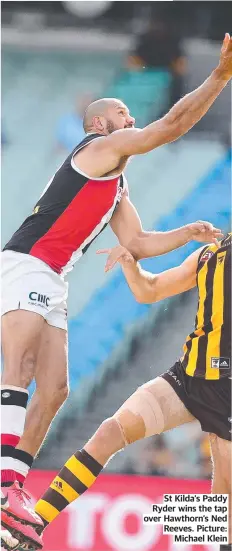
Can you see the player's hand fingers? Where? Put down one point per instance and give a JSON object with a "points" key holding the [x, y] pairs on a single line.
{"points": [[110, 263], [118, 255], [218, 233], [208, 227], [213, 237], [213, 234], [103, 251], [113, 258], [225, 43], [216, 242], [200, 227], [217, 230], [205, 225]]}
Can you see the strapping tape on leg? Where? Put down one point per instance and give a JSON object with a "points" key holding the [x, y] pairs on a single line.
{"points": [[140, 416]]}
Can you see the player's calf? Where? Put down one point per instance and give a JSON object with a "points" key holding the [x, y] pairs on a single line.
{"points": [[45, 403], [140, 416], [153, 408], [21, 332], [81, 470]]}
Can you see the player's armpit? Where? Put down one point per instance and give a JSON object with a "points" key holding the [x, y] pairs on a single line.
{"points": [[176, 280]]}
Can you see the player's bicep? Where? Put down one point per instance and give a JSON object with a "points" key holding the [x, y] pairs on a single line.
{"points": [[176, 280], [125, 222], [135, 141]]}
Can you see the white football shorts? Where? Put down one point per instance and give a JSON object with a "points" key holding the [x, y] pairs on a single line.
{"points": [[27, 283]]}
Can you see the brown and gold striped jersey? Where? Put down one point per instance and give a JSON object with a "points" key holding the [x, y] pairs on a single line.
{"points": [[207, 351]]}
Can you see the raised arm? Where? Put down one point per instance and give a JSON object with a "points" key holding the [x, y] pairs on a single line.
{"points": [[127, 226], [148, 288], [181, 118]]}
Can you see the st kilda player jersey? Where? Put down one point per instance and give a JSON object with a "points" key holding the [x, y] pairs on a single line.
{"points": [[207, 351], [71, 212]]}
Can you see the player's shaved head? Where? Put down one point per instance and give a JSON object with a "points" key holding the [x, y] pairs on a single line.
{"points": [[105, 107], [97, 108]]}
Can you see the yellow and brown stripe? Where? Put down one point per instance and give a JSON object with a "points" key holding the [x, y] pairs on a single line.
{"points": [[77, 475], [211, 338]]}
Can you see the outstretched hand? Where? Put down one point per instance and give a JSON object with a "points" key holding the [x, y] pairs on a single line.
{"points": [[204, 232], [201, 231], [225, 63], [116, 254]]}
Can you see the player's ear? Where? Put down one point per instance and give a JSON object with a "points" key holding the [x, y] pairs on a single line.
{"points": [[98, 123]]}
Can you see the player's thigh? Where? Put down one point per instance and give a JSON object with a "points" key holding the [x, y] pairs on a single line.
{"points": [[52, 363], [221, 452], [21, 332], [173, 410], [152, 409], [31, 294]]}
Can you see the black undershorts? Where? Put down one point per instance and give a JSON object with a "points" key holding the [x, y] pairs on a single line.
{"points": [[208, 401]]}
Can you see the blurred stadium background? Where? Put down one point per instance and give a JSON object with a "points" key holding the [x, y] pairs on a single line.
{"points": [[56, 58]]}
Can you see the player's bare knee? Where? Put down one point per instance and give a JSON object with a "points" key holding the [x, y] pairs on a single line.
{"points": [[61, 396], [55, 398], [110, 436], [140, 416]]}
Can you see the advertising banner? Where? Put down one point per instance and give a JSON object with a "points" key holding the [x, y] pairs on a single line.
{"points": [[109, 517]]}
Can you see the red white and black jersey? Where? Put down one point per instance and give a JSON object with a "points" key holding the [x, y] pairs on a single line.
{"points": [[71, 212]]}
